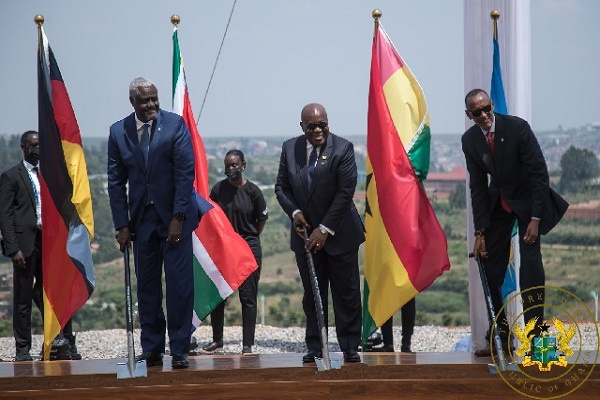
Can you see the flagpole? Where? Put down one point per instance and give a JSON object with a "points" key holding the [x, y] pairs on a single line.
{"points": [[39, 20], [494, 15], [175, 20], [376, 15]]}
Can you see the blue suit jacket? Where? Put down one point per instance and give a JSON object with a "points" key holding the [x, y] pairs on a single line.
{"points": [[329, 200], [167, 180]]}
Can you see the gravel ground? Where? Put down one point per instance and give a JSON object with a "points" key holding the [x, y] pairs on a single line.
{"points": [[113, 343]]}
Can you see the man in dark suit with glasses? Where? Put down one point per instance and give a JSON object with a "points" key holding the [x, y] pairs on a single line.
{"points": [[509, 182], [315, 185]]}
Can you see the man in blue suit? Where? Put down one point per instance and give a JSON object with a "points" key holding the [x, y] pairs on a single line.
{"points": [[315, 186], [150, 186]]}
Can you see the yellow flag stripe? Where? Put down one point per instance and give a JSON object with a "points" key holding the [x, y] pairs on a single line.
{"points": [[77, 170]]}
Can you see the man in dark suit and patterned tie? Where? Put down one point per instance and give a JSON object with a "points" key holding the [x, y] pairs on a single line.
{"points": [[315, 185], [509, 181], [150, 187], [21, 227], [20, 224]]}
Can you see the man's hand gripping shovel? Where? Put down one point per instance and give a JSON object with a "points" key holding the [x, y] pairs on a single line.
{"points": [[325, 363]]}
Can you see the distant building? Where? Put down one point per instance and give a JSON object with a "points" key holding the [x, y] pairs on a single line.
{"points": [[441, 184], [589, 211]]}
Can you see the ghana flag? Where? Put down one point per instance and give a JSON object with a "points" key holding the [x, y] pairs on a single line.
{"points": [[405, 248], [222, 258], [67, 217]]}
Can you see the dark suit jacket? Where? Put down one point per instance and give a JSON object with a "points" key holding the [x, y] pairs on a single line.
{"points": [[18, 222], [518, 172], [329, 201], [167, 181]]}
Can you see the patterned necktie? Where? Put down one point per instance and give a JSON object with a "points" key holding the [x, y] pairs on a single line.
{"points": [[490, 141], [312, 163], [38, 203], [145, 142]]}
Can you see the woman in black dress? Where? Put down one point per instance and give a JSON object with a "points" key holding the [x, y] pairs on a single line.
{"points": [[244, 204]]}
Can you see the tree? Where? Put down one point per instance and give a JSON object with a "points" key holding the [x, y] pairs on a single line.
{"points": [[458, 197], [578, 168]]}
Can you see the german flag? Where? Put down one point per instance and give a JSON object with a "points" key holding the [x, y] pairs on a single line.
{"points": [[67, 217]]}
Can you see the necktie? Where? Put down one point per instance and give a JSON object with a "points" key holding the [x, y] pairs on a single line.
{"points": [[312, 163], [38, 203], [145, 142], [490, 141]]}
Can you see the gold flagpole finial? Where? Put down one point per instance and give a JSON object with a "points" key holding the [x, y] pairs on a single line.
{"points": [[494, 15], [175, 19], [376, 14], [39, 20]]}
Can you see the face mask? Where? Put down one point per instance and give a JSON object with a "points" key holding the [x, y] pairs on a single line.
{"points": [[233, 173], [34, 152]]}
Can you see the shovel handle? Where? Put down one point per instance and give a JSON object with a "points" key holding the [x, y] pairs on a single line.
{"points": [[318, 305], [491, 313]]}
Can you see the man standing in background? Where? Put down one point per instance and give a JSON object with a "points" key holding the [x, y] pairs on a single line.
{"points": [[21, 227]]}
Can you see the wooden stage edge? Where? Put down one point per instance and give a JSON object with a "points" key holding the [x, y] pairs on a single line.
{"points": [[283, 376]]}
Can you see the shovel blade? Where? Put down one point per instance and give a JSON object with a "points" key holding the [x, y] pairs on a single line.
{"points": [[322, 364], [139, 370], [495, 369]]}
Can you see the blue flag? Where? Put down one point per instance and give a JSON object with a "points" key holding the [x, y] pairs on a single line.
{"points": [[497, 96], [497, 90]]}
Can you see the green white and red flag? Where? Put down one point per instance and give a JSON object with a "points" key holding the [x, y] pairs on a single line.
{"points": [[222, 258]]}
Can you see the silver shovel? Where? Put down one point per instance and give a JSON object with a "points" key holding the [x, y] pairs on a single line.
{"points": [[502, 365], [130, 369], [325, 363]]}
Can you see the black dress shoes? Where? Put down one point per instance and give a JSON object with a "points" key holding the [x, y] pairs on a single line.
{"points": [[387, 348], [152, 359], [73, 353], [180, 361], [212, 347], [351, 356], [311, 355], [193, 343], [405, 348], [23, 356]]}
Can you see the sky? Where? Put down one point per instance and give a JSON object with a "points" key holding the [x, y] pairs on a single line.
{"points": [[279, 56]]}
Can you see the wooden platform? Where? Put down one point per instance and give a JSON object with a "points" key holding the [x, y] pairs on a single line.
{"points": [[282, 376]]}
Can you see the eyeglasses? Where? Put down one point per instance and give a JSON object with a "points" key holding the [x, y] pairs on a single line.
{"points": [[312, 126], [486, 109]]}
